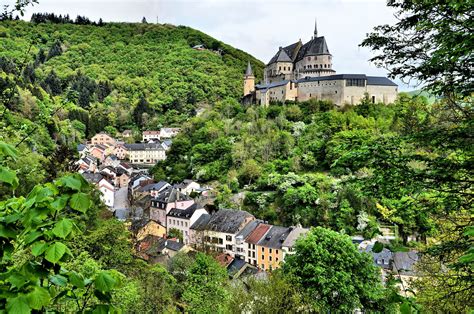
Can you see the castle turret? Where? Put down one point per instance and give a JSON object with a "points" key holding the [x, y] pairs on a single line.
{"points": [[249, 80]]}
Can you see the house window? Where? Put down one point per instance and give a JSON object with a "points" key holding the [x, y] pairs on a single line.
{"points": [[253, 254], [249, 255], [253, 246], [249, 245], [228, 238], [373, 99], [270, 251], [263, 249], [270, 258], [221, 241], [228, 247], [263, 257], [263, 266], [276, 251]]}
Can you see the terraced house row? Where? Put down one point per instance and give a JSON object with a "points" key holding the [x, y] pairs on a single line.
{"points": [[238, 234]]}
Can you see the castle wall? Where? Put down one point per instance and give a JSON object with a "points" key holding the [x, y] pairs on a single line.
{"points": [[337, 92], [278, 71], [314, 66], [249, 85], [278, 94]]}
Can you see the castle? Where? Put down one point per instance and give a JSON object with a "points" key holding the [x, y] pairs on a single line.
{"points": [[300, 72]]}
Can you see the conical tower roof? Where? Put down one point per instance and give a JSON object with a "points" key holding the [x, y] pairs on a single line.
{"points": [[249, 71]]}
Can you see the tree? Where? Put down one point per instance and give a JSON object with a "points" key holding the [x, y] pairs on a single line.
{"points": [[432, 42], [205, 286], [175, 233], [333, 274], [34, 236], [144, 21]]}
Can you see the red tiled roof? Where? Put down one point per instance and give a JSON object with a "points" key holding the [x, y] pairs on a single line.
{"points": [[257, 233]]}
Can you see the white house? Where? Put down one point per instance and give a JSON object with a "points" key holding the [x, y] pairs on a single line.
{"points": [[107, 190], [183, 219]]}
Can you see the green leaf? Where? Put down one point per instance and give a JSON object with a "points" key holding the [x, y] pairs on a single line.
{"points": [[38, 298], [8, 150], [18, 305], [55, 252], [71, 182], [6, 232], [8, 176], [32, 236], [105, 282], [80, 202], [405, 308], [58, 280], [63, 228], [102, 309], [17, 280], [76, 280], [60, 202], [38, 248]]}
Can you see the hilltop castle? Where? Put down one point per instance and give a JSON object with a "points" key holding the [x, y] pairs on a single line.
{"points": [[300, 72]]}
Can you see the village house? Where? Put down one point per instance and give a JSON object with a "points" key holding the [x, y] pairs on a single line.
{"points": [[169, 132], [183, 219], [166, 200], [127, 133], [87, 164], [289, 243], [150, 135], [145, 227], [103, 139], [220, 231], [120, 151], [107, 190], [82, 150], [92, 177], [98, 151], [145, 153], [240, 244], [252, 240], [166, 144], [111, 160], [159, 250], [269, 248], [152, 189], [188, 186]]}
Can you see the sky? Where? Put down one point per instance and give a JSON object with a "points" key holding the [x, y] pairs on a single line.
{"points": [[258, 27]]}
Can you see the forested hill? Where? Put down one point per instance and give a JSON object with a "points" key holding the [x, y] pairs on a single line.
{"points": [[125, 75]]}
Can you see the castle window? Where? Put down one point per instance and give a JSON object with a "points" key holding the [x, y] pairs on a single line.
{"points": [[309, 58], [279, 68], [321, 66]]}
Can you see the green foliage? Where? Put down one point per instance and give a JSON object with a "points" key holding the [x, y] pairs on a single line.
{"points": [[34, 231], [333, 274], [205, 286]]}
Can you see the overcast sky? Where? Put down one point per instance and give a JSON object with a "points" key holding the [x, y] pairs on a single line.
{"points": [[258, 26]]}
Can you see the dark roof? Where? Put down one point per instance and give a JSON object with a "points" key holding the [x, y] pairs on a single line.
{"points": [[383, 258], [201, 223], [184, 213], [80, 147], [248, 71], [404, 262], [171, 194], [380, 81], [271, 85], [258, 233], [153, 186], [235, 266], [228, 220], [153, 245], [244, 233], [371, 80], [280, 56], [92, 177], [275, 237], [143, 146], [295, 233], [314, 47]]}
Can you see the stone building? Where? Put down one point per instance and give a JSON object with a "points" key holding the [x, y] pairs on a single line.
{"points": [[300, 72]]}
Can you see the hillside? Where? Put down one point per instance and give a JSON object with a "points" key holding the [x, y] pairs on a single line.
{"points": [[112, 67]]}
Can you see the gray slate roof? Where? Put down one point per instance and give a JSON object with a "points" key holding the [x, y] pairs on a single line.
{"points": [[248, 71], [272, 85], [91, 177], [143, 146], [80, 147], [201, 223], [281, 56], [249, 228], [382, 259], [227, 220], [184, 213], [371, 80], [171, 194], [294, 234], [275, 237], [404, 262], [314, 47]]}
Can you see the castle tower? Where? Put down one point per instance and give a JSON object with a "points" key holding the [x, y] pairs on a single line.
{"points": [[249, 80], [315, 28]]}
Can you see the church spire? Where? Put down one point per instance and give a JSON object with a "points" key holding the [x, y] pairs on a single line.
{"points": [[249, 71], [315, 28]]}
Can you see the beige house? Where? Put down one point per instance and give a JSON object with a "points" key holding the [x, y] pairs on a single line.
{"points": [[103, 139], [144, 153], [150, 135]]}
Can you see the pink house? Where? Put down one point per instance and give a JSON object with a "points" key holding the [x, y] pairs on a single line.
{"points": [[166, 200]]}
